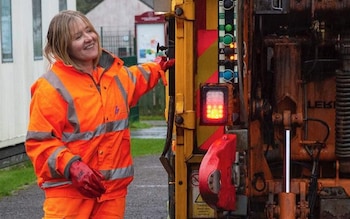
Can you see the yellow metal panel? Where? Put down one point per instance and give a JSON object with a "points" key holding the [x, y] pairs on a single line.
{"points": [[207, 64], [211, 13], [184, 88]]}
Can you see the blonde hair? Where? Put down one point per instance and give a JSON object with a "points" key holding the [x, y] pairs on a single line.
{"points": [[59, 37]]}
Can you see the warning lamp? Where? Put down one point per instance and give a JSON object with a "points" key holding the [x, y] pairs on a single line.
{"points": [[230, 52], [215, 107], [228, 39], [228, 4]]}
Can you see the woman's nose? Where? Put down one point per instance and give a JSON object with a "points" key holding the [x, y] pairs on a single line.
{"points": [[87, 37]]}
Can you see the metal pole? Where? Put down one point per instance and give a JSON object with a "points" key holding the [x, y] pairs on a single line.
{"points": [[287, 160], [101, 36]]}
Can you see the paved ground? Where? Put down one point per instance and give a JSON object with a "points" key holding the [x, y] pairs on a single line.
{"points": [[147, 198], [148, 194], [158, 130]]}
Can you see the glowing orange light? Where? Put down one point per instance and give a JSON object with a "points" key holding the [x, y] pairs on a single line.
{"points": [[215, 111], [232, 45], [215, 105]]}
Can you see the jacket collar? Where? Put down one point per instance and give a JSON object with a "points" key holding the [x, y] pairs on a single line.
{"points": [[107, 59]]}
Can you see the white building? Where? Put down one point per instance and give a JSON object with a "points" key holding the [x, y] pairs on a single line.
{"points": [[23, 29], [118, 14], [115, 21]]}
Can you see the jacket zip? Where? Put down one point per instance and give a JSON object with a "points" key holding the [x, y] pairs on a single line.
{"points": [[97, 85]]}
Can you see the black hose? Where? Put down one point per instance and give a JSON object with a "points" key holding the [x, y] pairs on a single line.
{"points": [[170, 125], [312, 194], [324, 124]]}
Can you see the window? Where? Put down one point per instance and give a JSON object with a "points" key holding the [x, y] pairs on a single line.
{"points": [[37, 30], [62, 5], [6, 31]]}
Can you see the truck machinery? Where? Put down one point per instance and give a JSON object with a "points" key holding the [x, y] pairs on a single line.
{"points": [[259, 111]]}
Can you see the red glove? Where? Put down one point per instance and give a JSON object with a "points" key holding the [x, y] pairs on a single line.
{"points": [[164, 63], [86, 180]]}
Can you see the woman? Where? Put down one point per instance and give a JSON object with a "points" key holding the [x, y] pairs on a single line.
{"points": [[78, 138]]}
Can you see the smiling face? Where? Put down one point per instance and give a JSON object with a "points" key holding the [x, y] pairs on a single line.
{"points": [[72, 39], [83, 48]]}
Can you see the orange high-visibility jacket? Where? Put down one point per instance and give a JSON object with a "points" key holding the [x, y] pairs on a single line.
{"points": [[73, 117]]}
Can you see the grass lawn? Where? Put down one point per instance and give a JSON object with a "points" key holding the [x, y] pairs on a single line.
{"points": [[15, 178], [141, 147]]}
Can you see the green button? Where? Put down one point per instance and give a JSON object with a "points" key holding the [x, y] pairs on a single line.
{"points": [[228, 27], [228, 39]]}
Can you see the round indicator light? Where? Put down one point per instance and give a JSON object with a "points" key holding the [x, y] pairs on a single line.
{"points": [[228, 27], [228, 74], [228, 4], [228, 38]]}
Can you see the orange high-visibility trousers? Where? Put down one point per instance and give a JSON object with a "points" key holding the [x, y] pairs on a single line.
{"points": [[72, 208]]}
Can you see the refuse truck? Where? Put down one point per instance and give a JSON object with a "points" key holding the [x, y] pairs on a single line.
{"points": [[258, 108]]}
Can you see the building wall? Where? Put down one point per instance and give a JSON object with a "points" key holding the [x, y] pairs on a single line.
{"points": [[17, 77], [117, 14]]}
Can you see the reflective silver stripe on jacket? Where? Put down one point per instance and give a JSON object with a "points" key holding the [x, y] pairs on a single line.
{"points": [[39, 135], [131, 76], [70, 137], [119, 173], [118, 125], [46, 185], [123, 91], [52, 162], [52, 78], [145, 73]]}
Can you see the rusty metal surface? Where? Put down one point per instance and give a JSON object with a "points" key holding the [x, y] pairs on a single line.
{"points": [[319, 5], [334, 208]]}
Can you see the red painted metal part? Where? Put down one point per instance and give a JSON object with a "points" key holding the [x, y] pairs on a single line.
{"points": [[215, 174]]}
